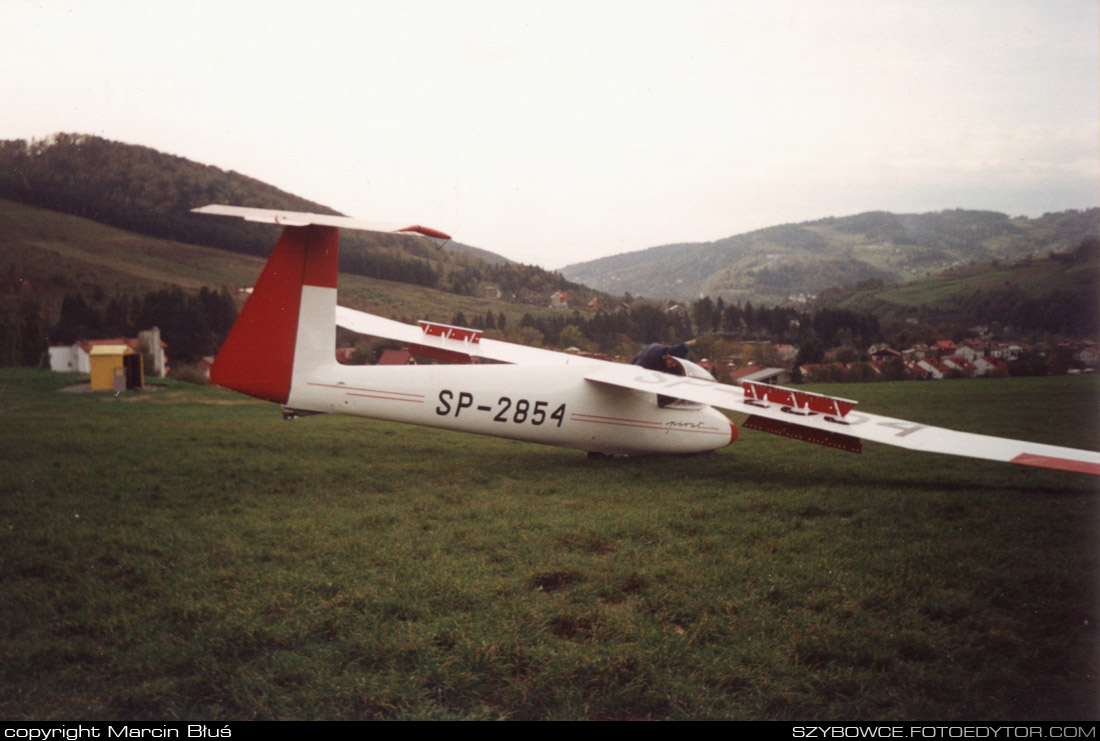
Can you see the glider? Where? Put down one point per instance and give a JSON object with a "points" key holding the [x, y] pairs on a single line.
{"points": [[281, 349]]}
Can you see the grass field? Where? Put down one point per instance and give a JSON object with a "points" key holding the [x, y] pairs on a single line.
{"points": [[186, 554]]}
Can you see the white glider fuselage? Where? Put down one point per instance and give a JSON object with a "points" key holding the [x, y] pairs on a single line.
{"points": [[553, 405], [282, 348]]}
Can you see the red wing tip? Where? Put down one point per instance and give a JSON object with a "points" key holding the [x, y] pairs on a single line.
{"points": [[427, 232], [1061, 464]]}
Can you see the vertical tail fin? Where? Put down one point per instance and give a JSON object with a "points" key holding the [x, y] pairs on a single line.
{"points": [[288, 323], [287, 327]]}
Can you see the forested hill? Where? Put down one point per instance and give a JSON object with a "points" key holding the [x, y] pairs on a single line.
{"points": [[1056, 293], [148, 192], [769, 265]]}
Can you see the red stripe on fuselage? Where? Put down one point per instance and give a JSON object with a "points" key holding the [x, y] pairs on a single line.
{"points": [[373, 391], [642, 424], [387, 398]]}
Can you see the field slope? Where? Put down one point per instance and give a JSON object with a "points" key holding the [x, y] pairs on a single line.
{"points": [[59, 253], [185, 554]]}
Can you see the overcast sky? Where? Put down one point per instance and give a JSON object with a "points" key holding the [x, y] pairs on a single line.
{"points": [[557, 132]]}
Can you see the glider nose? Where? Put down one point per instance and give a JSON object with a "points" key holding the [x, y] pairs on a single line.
{"points": [[733, 433]]}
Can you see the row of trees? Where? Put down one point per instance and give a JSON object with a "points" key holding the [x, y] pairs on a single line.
{"points": [[23, 337], [390, 266], [644, 322], [193, 325]]}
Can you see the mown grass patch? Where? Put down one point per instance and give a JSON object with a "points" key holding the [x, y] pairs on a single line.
{"points": [[187, 555]]}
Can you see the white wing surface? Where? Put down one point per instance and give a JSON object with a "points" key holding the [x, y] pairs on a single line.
{"points": [[301, 218], [505, 352], [886, 430]]}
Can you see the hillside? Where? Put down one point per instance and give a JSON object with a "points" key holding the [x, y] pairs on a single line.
{"points": [[48, 259], [769, 265], [45, 255], [1057, 293], [151, 193]]}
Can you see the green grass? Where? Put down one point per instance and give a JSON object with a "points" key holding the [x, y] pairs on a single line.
{"points": [[184, 553]]}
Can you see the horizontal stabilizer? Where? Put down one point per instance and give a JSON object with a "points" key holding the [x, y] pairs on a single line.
{"points": [[301, 218]]}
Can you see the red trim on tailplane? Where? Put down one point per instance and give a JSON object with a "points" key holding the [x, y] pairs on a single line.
{"points": [[257, 358], [427, 232]]}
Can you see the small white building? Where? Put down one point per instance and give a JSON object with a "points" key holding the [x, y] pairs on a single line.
{"points": [[76, 358]]}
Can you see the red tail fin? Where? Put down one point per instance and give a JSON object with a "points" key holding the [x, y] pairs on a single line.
{"points": [[257, 358]]}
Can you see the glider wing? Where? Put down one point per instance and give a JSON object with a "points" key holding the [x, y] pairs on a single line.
{"points": [[456, 340], [800, 414]]}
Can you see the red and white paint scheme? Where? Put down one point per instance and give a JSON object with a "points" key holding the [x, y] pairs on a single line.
{"points": [[282, 349]]}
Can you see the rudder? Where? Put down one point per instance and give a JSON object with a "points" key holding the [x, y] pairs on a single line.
{"points": [[258, 356]]}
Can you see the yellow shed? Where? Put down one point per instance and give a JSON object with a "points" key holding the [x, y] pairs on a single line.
{"points": [[116, 368]]}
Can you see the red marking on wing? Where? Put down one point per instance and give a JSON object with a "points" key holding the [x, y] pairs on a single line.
{"points": [[450, 332], [797, 399], [1061, 464]]}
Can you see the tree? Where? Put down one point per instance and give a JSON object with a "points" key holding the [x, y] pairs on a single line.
{"points": [[811, 352], [570, 336], [893, 369], [765, 355], [703, 313]]}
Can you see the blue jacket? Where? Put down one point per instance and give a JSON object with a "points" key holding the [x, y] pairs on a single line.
{"points": [[650, 357]]}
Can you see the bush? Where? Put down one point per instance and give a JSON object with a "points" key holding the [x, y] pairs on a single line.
{"points": [[189, 374]]}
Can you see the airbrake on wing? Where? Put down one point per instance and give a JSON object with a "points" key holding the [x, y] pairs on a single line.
{"points": [[796, 399]]}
